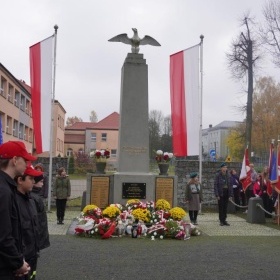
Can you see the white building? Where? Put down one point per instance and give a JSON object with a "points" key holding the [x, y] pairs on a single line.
{"points": [[214, 138]]}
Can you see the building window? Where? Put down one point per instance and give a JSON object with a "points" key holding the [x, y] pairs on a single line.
{"points": [[93, 137], [69, 152], [113, 153], [81, 151], [3, 87], [103, 137], [15, 128], [16, 100]]}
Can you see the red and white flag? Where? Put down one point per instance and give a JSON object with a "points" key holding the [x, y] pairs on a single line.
{"points": [[185, 109], [41, 68], [245, 174]]}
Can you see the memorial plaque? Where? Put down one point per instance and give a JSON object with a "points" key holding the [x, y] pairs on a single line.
{"points": [[134, 190], [99, 194], [165, 189]]}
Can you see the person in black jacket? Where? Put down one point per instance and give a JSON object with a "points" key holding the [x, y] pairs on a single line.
{"points": [[223, 191], [44, 190], [29, 219], [13, 157], [43, 232]]}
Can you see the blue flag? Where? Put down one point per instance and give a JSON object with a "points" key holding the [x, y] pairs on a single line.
{"points": [[1, 134], [273, 165]]}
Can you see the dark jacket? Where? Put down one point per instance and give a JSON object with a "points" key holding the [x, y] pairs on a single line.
{"points": [[29, 223], [44, 191], [11, 251], [62, 187], [221, 181], [43, 232]]}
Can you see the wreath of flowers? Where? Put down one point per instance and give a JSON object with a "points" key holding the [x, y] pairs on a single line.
{"points": [[111, 212], [162, 204], [177, 213]]}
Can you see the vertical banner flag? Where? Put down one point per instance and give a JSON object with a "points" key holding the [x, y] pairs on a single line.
{"points": [[273, 165], [274, 168], [245, 174], [41, 66], [1, 134], [184, 95]]}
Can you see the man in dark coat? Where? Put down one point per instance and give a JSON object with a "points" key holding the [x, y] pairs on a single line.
{"points": [[13, 158], [223, 191]]}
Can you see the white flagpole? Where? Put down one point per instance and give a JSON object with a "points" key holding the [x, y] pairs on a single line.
{"points": [[200, 113], [52, 120]]}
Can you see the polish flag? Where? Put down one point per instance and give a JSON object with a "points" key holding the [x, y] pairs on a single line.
{"points": [[41, 65], [245, 174], [185, 109]]}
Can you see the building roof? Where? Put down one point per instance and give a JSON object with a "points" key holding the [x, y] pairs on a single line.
{"points": [[226, 124], [110, 122]]}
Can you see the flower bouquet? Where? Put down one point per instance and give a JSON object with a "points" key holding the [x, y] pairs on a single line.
{"points": [[163, 157], [100, 155]]}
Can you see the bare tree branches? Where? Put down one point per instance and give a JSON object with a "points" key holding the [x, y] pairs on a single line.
{"points": [[270, 32]]}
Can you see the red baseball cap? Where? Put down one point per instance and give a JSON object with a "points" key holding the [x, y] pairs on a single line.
{"points": [[32, 172], [12, 149]]}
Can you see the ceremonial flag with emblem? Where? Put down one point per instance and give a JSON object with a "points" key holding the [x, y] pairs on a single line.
{"points": [[245, 174], [41, 68], [185, 109]]}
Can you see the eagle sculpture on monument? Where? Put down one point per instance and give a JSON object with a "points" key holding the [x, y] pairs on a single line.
{"points": [[135, 41]]}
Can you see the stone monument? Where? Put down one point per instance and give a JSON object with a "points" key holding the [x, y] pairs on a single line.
{"points": [[133, 179]]}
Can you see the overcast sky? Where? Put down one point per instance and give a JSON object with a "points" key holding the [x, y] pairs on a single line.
{"points": [[89, 67]]}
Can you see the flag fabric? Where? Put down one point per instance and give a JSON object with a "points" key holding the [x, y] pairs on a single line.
{"points": [[274, 167], [245, 174], [1, 133], [184, 95], [41, 65]]}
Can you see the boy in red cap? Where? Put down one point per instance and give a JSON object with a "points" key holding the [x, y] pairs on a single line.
{"points": [[28, 217], [13, 158]]}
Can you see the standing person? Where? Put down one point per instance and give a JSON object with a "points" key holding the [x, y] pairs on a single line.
{"points": [[237, 187], [13, 158], [249, 191], [223, 191], [257, 189], [43, 232], [266, 186], [193, 196], [61, 192], [44, 190], [28, 218]]}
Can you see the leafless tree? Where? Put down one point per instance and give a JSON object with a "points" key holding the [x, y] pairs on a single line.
{"points": [[241, 61], [93, 117], [270, 30]]}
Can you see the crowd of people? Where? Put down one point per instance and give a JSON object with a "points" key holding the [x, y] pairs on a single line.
{"points": [[23, 217], [228, 186]]}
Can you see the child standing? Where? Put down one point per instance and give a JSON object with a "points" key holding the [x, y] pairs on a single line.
{"points": [[28, 218], [43, 232], [193, 196], [61, 192]]}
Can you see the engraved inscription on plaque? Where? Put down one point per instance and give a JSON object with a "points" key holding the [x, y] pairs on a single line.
{"points": [[134, 190], [165, 189], [99, 194]]}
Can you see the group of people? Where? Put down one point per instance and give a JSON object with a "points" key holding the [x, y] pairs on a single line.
{"points": [[23, 218], [227, 185]]}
